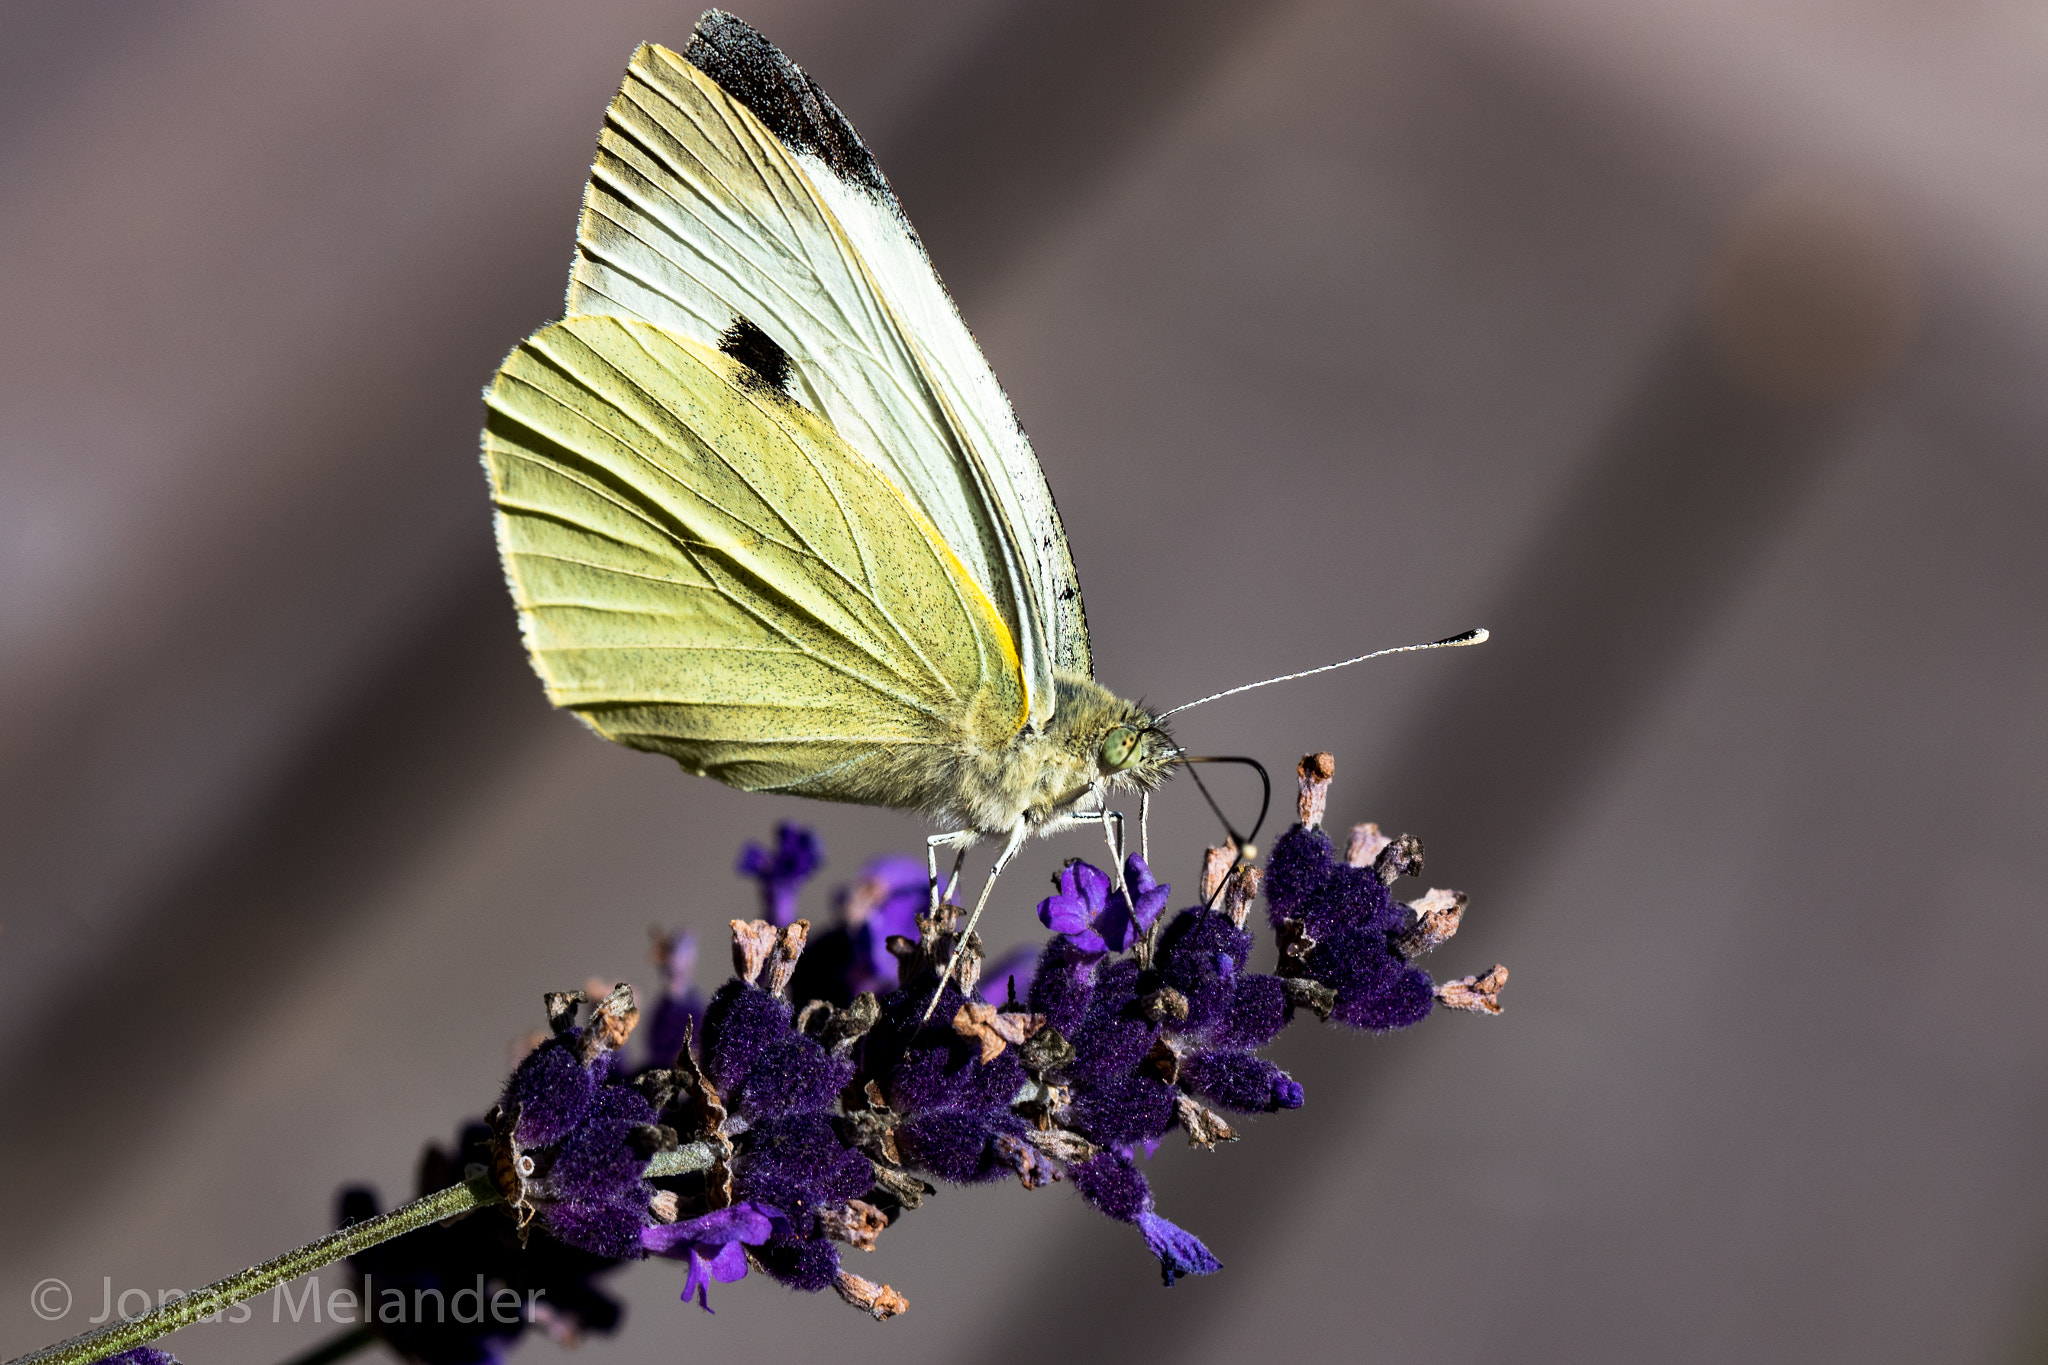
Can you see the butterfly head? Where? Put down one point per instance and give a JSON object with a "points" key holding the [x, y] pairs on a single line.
{"points": [[1136, 753], [1115, 745]]}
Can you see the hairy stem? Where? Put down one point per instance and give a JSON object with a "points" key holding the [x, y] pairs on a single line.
{"points": [[693, 1156], [118, 1336]]}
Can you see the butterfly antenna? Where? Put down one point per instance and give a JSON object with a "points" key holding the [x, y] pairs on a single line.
{"points": [[1470, 637]]}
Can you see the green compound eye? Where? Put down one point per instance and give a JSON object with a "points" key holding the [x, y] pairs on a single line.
{"points": [[1119, 748]]}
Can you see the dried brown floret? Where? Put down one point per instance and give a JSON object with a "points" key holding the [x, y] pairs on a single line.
{"points": [[1205, 1127], [1479, 994], [878, 1301], [1313, 775], [1364, 845], [1437, 916]]}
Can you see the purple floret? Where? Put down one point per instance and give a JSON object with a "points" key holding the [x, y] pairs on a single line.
{"points": [[1116, 1187], [1350, 914], [791, 1158], [958, 1146], [1095, 919], [1179, 1251], [1305, 882], [1199, 945], [948, 1074], [1062, 985], [551, 1091], [1113, 1037], [1113, 1184], [142, 1355], [954, 1104], [1201, 955], [714, 1244], [596, 1163], [1073, 909], [791, 1076], [796, 1163], [599, 1196], [1299, 863], [742, 1024], [1375, 988], [1353, 898], [1113, 1103], [1240, 1081], [601, 1229], [1257, 1014], [1123, 1109], [809, 1264]]}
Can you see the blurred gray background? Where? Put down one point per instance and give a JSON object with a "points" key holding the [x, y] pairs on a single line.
{"points": [[1696, 349]]}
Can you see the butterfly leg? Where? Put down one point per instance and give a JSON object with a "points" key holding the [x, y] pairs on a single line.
{"points": [[1145, 827], [1072, 819], [961, 839], [1115, 840], [1016, 841]]}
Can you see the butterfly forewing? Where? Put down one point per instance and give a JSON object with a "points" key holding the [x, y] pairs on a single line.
{"points": [[697, 215]]}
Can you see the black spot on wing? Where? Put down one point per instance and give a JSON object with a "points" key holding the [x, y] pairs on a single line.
{"points": [[776, 91], [767, 362]]}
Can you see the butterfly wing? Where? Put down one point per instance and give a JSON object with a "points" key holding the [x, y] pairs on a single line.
{"points": [[704, 569], [727, 186]]}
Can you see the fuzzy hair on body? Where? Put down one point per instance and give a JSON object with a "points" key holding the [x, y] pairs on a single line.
{"points": [[982, 781]]}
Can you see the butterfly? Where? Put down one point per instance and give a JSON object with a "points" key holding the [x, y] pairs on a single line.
{"points": [[763, 506]]}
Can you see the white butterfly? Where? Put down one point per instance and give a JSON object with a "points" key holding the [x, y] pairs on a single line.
{"points": [[762, 504]]}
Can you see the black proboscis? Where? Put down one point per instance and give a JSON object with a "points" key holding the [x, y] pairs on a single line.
{"points": [[1238, 842]]}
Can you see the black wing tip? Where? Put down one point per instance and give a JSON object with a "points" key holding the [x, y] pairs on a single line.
{"points": [[788, 102], [760, 353]]}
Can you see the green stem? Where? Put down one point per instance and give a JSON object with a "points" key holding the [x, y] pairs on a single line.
{"points": [[340, 1346], [118, 1336], [695, 1156]]}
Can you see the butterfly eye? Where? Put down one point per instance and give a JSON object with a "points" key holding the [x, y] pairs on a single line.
{"points": [[1119, 748]]}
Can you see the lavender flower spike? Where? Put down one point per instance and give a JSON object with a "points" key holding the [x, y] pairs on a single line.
{"points": [[783, 871]]}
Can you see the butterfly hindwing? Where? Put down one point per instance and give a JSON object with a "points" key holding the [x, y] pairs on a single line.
{"points": [[704, 569]]}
